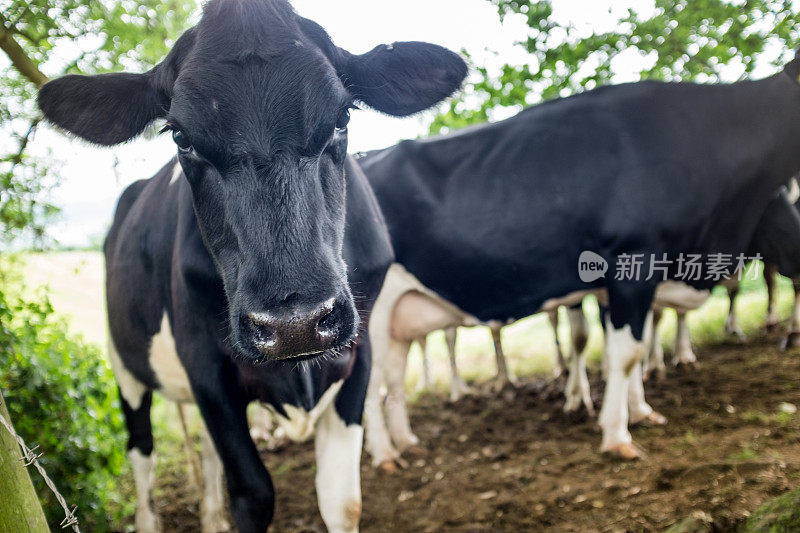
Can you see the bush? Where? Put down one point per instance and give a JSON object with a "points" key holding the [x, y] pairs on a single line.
{"points": [[62, 396]]}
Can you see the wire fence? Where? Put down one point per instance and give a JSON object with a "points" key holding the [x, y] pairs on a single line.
{"points": [[30, 457]]}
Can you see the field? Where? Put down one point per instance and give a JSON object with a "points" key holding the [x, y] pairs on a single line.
{"points": [[514, 461]]}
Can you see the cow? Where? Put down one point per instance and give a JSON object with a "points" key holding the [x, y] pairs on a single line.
{"points": [[236, 273], [780, 244], [494, 218]]}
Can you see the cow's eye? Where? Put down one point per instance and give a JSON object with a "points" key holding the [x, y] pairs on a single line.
{"points": [[181, 140], [343, 120]]}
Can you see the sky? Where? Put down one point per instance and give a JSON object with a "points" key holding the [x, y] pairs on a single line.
{"points": [[92, 178]]}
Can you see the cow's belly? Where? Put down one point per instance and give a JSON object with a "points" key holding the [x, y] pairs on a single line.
{"points": [[170, 374]]}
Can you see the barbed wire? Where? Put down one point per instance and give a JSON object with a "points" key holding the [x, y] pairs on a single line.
{"points": [[30, 457]]}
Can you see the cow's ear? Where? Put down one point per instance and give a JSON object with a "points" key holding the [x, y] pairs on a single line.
{"points": [[403, 78], [113, 108], [104, 109]]}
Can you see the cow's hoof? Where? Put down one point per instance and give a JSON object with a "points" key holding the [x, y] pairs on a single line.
{"points": [[627, 451], [459, 391], [147, 521], [216, 526], [500, 383], [687, 366], [391, 467], [415, 451], [792, 340], [573, 405], [655, 374], [654, 418]]}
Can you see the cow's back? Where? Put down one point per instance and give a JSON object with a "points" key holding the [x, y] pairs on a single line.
{"points": [[495, 217]]}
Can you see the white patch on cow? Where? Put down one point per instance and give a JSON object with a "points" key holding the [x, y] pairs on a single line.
{"points": [[793, 191], [143, 475], [131, 389], [684, 354], [623, 353], [338, 452], [176, 173], [577, 390], [212, 508], [679, 296], [172, 379], [298, 423], [638, 408], [574, 298]]}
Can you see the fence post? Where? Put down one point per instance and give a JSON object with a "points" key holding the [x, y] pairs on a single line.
{"points": [[20, 509]]}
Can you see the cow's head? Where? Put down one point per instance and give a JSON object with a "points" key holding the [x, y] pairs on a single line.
{"points": [[257, 100]]}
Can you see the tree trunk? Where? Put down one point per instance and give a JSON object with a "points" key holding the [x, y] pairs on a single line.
{"points": [[20, 509]]}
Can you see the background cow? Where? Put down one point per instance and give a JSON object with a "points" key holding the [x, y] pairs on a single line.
{"points": [[494, 218]]}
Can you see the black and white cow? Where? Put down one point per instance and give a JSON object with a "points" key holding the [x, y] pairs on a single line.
{"points": [[494, 218], [777, 240], [232, 265]]}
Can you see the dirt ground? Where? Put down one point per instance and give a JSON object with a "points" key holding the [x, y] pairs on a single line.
{"points": [[515, 462]]}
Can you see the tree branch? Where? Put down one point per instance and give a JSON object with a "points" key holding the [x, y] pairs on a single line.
{"points": [[24, 64], [16, 158]]}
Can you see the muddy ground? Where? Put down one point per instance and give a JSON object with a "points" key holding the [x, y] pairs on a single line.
{"points": [[515, 462]]}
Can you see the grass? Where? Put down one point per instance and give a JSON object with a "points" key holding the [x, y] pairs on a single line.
{"points": [[779, 515]]}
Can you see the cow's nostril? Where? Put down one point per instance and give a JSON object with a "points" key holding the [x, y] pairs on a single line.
{"points": [[263, 334], [327, 324]]}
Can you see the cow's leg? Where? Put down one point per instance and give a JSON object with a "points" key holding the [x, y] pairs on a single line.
{"points": [[396, 408], [424, 384], [504, 375], [560, 366], [212, 506], [141, 456], [338, 480], [639, 410], [377, 440], [772, 320], [188, 447], [457, 386], [792, 339], [337, 444], [629, 324], [577, 389], [136, 401], [684, 354], [219, 396], [654, 362], [731, 322]]}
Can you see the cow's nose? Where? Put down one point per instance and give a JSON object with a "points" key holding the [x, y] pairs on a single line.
{"points": [[293, 333]]}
